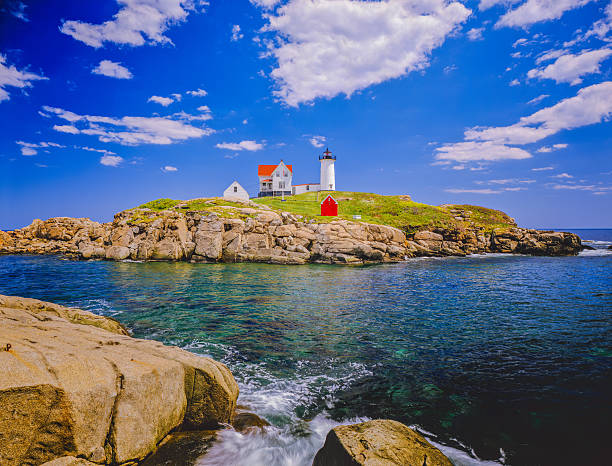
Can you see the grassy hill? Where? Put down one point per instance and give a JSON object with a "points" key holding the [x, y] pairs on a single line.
{"points": [[397, 211]]}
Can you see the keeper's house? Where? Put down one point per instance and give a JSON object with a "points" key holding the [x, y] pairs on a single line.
{"points": [[275, 180]]}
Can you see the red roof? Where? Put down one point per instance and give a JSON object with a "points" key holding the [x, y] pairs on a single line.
{"points": [[267, 170], [305, 184], [267, 179]]}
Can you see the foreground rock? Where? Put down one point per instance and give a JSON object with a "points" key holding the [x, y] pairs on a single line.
{"points": [[73, 384], [258, 234], [378, 443]]}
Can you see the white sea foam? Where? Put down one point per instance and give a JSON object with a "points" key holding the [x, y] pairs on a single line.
{"points": [[595, 252], [291, 440]]}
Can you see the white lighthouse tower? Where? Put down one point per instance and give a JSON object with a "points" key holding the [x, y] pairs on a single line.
{"points": [[328, 172]]}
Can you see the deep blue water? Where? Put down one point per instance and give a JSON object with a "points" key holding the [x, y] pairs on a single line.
{"points": [[504, 358]]}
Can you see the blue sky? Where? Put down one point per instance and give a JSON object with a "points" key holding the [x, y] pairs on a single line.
{"points": [[503, 103]]}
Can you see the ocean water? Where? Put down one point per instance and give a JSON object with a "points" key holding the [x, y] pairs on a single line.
{"points": [[497, 359]]}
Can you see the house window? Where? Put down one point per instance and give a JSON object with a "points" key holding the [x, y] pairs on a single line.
{"points": [[307, 188], [281, 184], [278, 174], [235, 189]]}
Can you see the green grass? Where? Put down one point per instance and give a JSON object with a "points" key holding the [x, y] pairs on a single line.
{"points": [[396, 211], [160, 204]]}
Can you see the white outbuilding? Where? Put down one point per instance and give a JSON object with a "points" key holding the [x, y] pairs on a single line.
{"points": [[236, 191]]}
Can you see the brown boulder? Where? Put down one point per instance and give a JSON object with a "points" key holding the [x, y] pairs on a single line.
{"points": [[378, 443], [78, 385]]}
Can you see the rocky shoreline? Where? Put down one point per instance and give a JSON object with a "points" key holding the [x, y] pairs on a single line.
{"points": [[256, 233], [77, 390]]}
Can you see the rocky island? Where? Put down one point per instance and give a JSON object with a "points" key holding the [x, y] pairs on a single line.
{"points": [[389, 229]]}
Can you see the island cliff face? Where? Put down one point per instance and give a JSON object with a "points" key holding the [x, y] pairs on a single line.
{"points": [[256, 233]]}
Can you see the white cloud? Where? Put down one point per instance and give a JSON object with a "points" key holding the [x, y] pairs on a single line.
{"points": [[29, 148], [582, 187], [169, 169], [570, 68], [592, 104], [511, 181], [242, 145], [541, 169], [473, 191], [137, 22], [486, 150], [514, 82], [112, 70], [318, 141], [475, 33], [204, 108], [552, 148], [533, 11], [11, 76], [111, 160], [91, 149], [538, 99], [66, 129], [28, 151], [177, 97], [198, 93], [236, 34], [550, 55], [130, 130], [165, 101], [17, 9], [367, 43], [265, 3], [521, 41], [562, 175], [189, 117]]}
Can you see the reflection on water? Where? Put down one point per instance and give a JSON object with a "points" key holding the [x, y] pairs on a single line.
{"points": [[485, 353]]}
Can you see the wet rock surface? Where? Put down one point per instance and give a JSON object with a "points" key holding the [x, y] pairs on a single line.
{"points": [[73, 384], [258, 234], [379, 442]]}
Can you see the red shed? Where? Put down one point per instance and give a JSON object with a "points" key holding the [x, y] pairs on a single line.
{"points": [[329, 207]]}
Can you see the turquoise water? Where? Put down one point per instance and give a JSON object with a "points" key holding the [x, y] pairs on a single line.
{"points": [[502, 358]]}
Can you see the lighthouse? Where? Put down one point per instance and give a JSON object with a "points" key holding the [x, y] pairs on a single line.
{"points": [[328, 172]]}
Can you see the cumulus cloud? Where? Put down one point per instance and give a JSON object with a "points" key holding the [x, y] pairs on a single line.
{"points": [[562, 175], [475, 33], [11, 76], [66, 129], [552, 148], [112, 70], [198, 93], [541, 169], [29, 148], [242, 145], [165, 101], [111, 160], [136, 23], [531, 11], [236, 34], [318, 141], [473, 150], [570, 68], [592, 104], [327, 48], [130, 130], [169, 169], [265, 3]]}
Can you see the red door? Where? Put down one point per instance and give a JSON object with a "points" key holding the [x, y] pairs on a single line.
{"points": [[329, 207]]}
